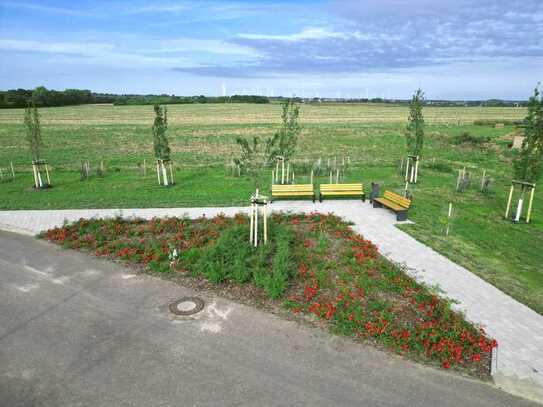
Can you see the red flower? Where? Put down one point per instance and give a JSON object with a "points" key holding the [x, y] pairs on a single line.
{"points": [[476, 357], [446, 364]]}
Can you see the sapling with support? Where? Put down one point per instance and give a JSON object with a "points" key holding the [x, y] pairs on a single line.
{"points": [[161, 147], [33, 136], [525, 187], [414, 136], [528, 162], [259, 203]]}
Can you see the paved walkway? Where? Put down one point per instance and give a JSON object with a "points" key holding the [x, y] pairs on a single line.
{"points": [[518, 329]]}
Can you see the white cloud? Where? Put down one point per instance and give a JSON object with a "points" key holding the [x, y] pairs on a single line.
{"points": [[310, 33], [78, 48], [219, 47]]}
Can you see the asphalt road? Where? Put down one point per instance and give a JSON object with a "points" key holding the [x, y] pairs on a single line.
{"points": [[79, 331]]}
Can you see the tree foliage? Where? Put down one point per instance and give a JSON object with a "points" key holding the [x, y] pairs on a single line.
{"points": [[284, 140], [160, 140], [528, 163], [415, 128], [33, 130], [251, 159]]}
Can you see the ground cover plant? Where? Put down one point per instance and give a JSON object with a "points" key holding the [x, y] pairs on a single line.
{"points": [[202, 139], [314, 265]]}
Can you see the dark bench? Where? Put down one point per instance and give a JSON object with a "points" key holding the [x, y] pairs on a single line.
{"points": [[395, 202]]}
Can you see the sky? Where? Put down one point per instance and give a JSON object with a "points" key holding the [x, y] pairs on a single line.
{"points": [[452, 49]]}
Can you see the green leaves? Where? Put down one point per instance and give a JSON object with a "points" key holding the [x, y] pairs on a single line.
{"points": [[415, 127], [528, 163], [284, 140], [33, 130], [160, 140]]}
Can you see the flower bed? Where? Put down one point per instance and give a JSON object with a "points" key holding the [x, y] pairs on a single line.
{"points": [[314, 264]]}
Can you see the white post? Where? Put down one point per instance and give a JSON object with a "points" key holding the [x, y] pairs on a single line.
{"points": [[47, 175], [416, 169], [273, 176], [449, 219], [251, 214], [483, 180], [519, 209], [144, 167], [288, 172], [276, 171], [458, 180], [530, 203], [293, 177], [330, 176], [158, 172], [256, 225], [39, 178], [407, 169], [282, 171], [164, 174], [36, 183], [12, 170], [311, 176], [337, 176], [265, 210]]}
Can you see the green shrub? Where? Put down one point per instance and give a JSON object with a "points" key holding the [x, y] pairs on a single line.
{"points": [[467, 138]]}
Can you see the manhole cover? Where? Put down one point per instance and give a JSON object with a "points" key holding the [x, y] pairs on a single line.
{"points": [[187, 306]]}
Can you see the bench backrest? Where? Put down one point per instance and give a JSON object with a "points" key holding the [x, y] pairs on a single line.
{"points": [[292, 187], [397, 199], [341, 187]]}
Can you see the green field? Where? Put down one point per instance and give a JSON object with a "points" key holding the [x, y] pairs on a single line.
{"points": [[202, 138]]}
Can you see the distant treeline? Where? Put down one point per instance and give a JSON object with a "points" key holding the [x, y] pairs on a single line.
{"points": [[428, 102], [43, 97]]}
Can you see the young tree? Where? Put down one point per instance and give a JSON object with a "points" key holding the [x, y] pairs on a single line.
{"points": [[33, 130], [251, 159], [284, 140], [415, 127], [160, 140], [528, 163]]}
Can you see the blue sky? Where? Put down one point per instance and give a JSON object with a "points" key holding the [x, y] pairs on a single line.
{"points": [[455, 49]]}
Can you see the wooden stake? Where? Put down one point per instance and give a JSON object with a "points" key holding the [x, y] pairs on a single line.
{"points": [[288, 172], [282, 171], [251, 223], [483, 181], [265, 210], [171, 173], [47, 174], [1, 175], [449, 219], [164, 174], [330, 176], [158, 172], [273, 177], [530, 205], [276, 172], [337, 176], [312, 177], [36, 184], [406, 169], [12, 170], [458, 180], [416, 169], [509, 201], [144, 168]]}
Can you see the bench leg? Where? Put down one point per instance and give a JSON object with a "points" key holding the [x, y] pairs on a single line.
{"points": [[377, 204], [363, 197], [401, 216], [320, 198], [313, 198]]}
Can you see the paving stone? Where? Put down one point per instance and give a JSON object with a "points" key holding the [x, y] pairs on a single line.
{"points": [[517, 328]]}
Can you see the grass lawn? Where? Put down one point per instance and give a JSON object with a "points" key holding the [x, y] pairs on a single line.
{"points": [[202, 138], [314, 265]]}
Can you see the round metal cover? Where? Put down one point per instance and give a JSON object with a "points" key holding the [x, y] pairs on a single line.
{"points": [[187, 306]]}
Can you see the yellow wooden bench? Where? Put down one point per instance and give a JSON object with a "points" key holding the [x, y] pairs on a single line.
{"points": [[395, 202], [356, 190], [292, 191]]}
